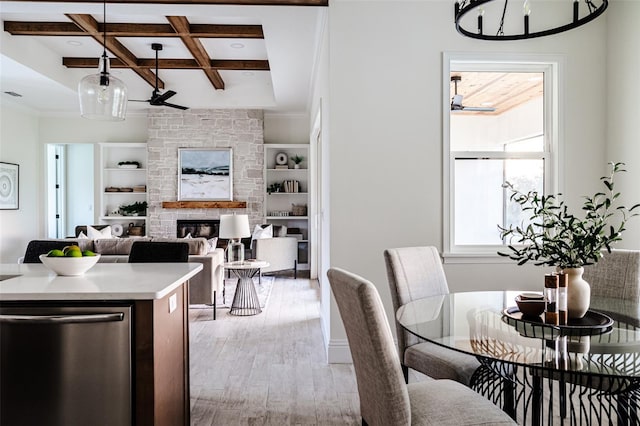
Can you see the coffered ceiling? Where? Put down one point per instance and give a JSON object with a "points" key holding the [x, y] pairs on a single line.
{"points": [[254, 54]]}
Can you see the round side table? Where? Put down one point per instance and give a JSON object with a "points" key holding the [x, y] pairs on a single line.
{"points": [[245, 299]]}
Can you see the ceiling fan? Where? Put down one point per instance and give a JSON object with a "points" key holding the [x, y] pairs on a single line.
{"points": [[456, 101], [157, 98]]}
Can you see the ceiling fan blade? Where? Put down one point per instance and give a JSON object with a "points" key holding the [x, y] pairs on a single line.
{"points": [[163, 97], [139, 100], [174, 105], [481, 109]]}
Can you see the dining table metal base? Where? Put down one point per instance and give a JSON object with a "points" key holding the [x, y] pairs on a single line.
{"points": [[538, 395]]}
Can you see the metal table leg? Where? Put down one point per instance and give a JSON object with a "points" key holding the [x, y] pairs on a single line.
{"points": [[245, 300]]}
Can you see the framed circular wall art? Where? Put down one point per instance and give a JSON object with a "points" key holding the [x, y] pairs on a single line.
{"points": [[9, 174], [282, 158]]}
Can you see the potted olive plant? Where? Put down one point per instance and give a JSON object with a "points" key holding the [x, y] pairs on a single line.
{"points": [[556, 237]]}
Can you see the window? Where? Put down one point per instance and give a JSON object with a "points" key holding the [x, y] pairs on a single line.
{"points": [[501, 127]]}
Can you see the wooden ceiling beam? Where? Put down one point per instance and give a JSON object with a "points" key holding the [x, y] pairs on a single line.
{"points": [[240, 64], [176, 64], [181, 25], [133, 30], [226, 31], [43, 28], [202, 2], [90, 25]]}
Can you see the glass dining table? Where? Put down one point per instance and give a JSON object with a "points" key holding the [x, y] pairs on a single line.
{"points": [[584, 373]]}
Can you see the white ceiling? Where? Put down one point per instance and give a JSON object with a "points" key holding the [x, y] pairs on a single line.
{"points": [[32, 66]]}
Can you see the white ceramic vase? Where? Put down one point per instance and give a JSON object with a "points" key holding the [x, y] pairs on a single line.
{"points": [[578, 293]]}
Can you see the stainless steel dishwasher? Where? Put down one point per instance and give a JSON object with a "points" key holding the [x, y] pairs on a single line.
{"points": [[65, 365]]}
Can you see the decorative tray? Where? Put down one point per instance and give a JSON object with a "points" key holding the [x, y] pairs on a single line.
{"points": [[593, 323]]}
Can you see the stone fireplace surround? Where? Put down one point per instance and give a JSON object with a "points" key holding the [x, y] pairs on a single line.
{"points": [[168, 130]]}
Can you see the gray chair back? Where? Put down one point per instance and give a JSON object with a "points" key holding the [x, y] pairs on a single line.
{"points": [[413, 273], [384, 398], [616, 275]]}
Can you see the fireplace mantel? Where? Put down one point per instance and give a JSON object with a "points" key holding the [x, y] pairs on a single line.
{"points": [[204, 204]]}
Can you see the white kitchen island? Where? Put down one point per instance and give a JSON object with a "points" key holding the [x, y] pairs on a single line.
{"points": [[41, 310]]}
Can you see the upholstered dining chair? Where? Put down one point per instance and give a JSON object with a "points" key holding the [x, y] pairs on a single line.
{"points": [[616, 275], [414, 273], [385, 399], [37, 247], [158, 251]]}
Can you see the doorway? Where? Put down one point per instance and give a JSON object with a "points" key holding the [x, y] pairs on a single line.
{"points": [[69, 188]]}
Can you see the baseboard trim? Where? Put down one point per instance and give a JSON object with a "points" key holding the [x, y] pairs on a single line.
{"points": [[338, 352]]}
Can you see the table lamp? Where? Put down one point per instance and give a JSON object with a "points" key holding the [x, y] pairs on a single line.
{"points": [[234, 227]]}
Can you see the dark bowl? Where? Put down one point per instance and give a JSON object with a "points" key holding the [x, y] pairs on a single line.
{"points": [[530, 307]]}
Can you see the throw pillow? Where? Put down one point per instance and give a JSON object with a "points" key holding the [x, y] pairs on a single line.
{"points": [[213, 243], [259, 233], [82, 236], [95, 234], [188, 235]]}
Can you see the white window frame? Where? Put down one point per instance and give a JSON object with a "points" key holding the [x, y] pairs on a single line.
{"points": [[552, 66]]}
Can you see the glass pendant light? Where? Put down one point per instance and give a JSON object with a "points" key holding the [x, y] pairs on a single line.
{"points": [[102, 96]]}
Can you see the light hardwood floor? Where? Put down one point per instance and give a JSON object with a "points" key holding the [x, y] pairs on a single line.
{"points": [[269, 369]]}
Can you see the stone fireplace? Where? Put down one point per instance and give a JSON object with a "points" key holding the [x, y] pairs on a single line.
{"points": [[238, 129]]}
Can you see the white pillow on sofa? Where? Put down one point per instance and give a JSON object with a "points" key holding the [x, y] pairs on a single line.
{"points": [[259, 233], [213, 243], [95, 234]]}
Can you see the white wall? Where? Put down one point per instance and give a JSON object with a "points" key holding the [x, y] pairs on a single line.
{"points": [[386, 132], [19, 145], [320, 106], [623, 108], [24, 136], [69, 129], [286, 128]]}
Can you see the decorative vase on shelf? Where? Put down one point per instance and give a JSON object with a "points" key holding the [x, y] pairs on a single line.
{"points": [[578, 293]]}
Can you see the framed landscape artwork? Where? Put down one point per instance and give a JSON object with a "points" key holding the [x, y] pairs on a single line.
{"points": [[205, 174], [9, 185]]}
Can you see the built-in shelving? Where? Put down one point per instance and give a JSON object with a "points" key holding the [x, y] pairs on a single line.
{"points": [[279, 205], [126, 179]]}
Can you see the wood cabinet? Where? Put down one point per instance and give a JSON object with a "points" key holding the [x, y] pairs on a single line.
{"points": [[123, 182], [288, 193], [161, 349]]}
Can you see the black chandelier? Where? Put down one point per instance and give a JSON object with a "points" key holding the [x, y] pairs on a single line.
{"points": [[594, 8]]}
